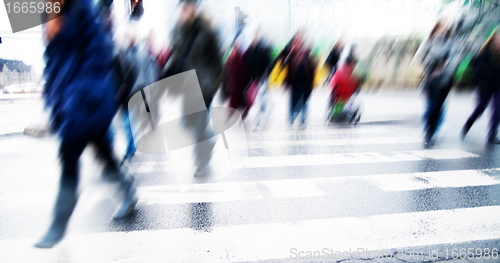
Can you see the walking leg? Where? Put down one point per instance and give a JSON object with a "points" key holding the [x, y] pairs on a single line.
{"points": [[495, 118], [483, 98], [434, 114], [112, 172], [67, 196]]}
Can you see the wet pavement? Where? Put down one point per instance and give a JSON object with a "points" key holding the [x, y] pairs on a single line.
{"points": [[370, 190]]}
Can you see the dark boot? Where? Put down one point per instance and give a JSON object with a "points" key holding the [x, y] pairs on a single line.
{"points": [[65, 204], [428, 140], [493, 140], [127, 190], [465, 130]]}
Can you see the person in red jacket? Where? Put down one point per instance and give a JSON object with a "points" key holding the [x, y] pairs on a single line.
{"points": [[344, 84]]}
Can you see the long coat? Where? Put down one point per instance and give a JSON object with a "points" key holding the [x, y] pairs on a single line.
{"points": [[300, 75], [238, 78], [80, 84], [204, 56]]}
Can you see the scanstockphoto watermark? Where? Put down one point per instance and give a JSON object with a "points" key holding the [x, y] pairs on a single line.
{"points": [[324, 135], [311, 149], [362, 253], [310, 141]]}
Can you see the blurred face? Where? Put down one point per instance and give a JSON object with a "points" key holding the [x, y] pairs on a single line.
{"points": [[257, 37], [296, 45], [298, 42], [188, 13], [54, 25], [300, 38], [442, 30]]}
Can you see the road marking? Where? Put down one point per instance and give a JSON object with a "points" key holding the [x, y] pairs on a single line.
{"points": [[288, 188], [330, 159], [272, 240], [355, 158], [442, 179], [308, 187], [334, 142], [318, 131]]}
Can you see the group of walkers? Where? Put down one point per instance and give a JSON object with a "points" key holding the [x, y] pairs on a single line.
{"points": [[88, 82], [436, 54], [89, 79], [247, 71]]}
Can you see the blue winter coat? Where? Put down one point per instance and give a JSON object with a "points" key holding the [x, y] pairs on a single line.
{"points": [[80, 82]]}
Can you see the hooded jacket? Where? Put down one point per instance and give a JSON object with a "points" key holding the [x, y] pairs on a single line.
{"points": [[81, 83], [435, 54]]}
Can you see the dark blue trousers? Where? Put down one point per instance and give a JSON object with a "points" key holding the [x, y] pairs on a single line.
{"points": [[485, 93]]}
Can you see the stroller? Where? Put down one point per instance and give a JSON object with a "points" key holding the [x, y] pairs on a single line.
{"points": [[343, 106]]}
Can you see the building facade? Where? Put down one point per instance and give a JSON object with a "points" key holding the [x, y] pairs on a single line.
{"points": [[15, 72]]}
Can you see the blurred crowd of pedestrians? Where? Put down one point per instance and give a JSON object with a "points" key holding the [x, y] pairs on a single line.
{"points": [[90, 77]]}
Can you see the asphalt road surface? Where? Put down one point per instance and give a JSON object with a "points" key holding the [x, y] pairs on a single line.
{"points": [[324, 193]]}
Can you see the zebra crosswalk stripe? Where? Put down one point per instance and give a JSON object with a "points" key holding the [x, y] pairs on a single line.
{"points": [[309, 187], [282, 240], [355, 158], [328, 159]]}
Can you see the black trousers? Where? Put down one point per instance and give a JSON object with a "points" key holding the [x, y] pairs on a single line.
{"points": [[486, 93], [69, 155]]}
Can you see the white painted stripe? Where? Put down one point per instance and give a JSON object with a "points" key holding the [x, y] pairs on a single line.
{"points": [[320, 131], [269, 241], [329, 159], [289, 188], [355, 158], [335, 142], [443, 179]]}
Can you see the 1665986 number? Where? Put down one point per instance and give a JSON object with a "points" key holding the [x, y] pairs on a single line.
{"points": [[33, 7]]}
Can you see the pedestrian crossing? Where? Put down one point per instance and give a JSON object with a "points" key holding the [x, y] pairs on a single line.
{"points": [[225, 192], [355, 158], [335, 159], [337, 221], [276, 241]]}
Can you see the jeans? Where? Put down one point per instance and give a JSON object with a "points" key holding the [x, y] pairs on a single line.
{"points": [[299, 107], [262, 114], [128, 134], [435, 111]]}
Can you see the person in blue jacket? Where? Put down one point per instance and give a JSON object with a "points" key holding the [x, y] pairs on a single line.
{"points": [[81, 86]]}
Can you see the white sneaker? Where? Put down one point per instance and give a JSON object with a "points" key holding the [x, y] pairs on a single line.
{"points": [[201, 171]]}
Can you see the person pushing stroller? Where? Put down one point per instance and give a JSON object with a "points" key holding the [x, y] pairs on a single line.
{"points": [[344, 86]]}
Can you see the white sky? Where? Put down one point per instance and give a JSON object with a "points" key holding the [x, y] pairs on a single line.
{"points": [[26, 45]]}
